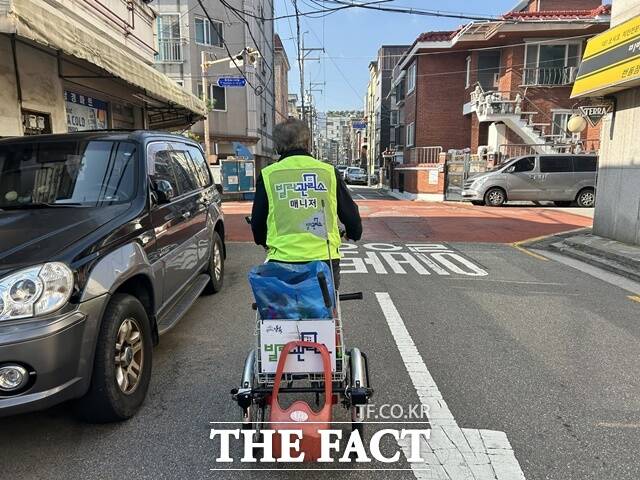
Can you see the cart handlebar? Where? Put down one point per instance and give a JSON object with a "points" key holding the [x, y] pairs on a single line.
{"points": [[326, 296], [343, 297]]}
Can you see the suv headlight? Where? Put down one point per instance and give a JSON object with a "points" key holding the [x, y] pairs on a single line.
{"points": [[35, 291]]}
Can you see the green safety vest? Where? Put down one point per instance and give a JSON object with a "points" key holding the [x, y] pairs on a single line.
{"points": [[296, 225]]}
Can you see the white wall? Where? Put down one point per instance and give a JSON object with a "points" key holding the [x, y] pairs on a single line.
{"points": [[617, 213], [41, 88]]}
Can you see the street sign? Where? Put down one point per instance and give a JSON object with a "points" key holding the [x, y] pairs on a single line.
{"points": [[594, 113], [359, 125], [232, 82]]}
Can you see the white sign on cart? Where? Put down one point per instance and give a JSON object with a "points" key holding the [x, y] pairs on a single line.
{"points": [[274, 334]]}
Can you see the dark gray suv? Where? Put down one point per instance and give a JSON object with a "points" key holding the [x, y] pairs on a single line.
{"points": [[107, 239]]}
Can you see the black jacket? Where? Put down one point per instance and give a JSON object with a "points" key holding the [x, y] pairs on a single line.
{"points": [[348, 212]]}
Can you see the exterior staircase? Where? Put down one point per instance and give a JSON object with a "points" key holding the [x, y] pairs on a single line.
{"points": [[509, 108]]}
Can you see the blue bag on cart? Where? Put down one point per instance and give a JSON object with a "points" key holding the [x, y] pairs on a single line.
{"points": [[290, 291]]}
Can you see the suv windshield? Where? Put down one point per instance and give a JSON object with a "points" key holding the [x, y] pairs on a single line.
{"points": [[72, 173]]}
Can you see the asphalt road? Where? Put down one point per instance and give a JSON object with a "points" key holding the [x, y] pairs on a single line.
{"points": [[535, 349]]}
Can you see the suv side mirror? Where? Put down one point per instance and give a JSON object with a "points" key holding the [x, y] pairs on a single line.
{"points": [[164, 191]]}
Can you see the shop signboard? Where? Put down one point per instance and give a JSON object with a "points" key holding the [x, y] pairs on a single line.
{"points": [[85, 113]]}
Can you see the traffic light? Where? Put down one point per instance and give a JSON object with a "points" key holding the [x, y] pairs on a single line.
{"points": [[251, 56]]}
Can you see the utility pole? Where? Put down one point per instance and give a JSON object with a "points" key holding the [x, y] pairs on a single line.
{"points": [[300, 45], [237, 60], [312, 111], [205, 98]]}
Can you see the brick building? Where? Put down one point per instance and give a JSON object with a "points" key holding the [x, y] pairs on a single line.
{"points": [[498, 87]]}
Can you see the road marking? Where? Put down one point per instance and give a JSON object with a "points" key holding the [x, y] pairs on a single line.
{"points": [[517, 282], [452, 453], [608, 277], [528, 252], [421, 258], [618, 425]]}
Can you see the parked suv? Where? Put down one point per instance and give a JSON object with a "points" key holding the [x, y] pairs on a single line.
{"points": [[107, 239], [560, 178]]}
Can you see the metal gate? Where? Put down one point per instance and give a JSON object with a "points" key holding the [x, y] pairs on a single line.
{"points": [[461, 166]]}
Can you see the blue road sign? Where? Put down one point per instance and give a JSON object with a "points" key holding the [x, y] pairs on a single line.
{"points": [[359, 125], [232, 82]]}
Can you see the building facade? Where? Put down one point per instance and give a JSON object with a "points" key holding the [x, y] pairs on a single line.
{"points": [[76, 65], [499, 88], [372, 116], [618, 196], [243, 115], [281, 68], [379, 114], [339, 126]]}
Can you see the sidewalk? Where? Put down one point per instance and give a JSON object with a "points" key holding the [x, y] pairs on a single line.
{"points": [[617, 257]]}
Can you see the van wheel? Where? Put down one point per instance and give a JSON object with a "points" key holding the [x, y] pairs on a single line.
{"points": [[216, 265], [586, 198], [562, 204], [122, 365], [495, 197]]}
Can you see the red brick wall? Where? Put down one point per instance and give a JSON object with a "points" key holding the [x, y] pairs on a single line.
{"points": [[417, 181], [439, 119]]}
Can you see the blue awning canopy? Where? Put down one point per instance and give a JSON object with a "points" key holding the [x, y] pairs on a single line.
{"points": [[241, 150]]}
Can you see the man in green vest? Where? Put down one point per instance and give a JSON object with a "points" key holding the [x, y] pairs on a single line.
{"points": [[299, 201]]}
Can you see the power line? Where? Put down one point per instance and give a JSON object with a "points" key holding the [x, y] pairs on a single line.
{"points": [[256, 43]]}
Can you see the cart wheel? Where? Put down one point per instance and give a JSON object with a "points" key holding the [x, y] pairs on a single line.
{"points": [[356, 378], [257, 413]]}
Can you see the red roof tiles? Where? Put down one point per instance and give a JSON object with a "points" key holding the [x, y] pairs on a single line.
{"points": [[558, 14]]}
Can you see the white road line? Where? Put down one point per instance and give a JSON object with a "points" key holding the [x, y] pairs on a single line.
{"points": [[452, 453]]}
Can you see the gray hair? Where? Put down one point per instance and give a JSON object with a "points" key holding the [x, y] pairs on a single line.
{"points": [[292, 134]]}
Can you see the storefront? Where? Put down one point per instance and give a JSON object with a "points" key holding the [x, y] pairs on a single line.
{"points": [[58, 74]]}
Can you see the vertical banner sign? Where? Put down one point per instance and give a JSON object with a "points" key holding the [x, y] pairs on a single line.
{"points": [[84, 112]]}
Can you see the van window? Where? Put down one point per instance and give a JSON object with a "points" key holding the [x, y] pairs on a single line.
{"points": [[555, 164], [585, 163], [524, 164]]}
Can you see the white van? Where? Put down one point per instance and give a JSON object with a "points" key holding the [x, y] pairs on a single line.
{"points": [[560, 178]]}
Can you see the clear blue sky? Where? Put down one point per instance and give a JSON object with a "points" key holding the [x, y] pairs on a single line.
{"points": [[352, 37]]}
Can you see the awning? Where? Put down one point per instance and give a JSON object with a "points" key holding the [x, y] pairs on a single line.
{"points": [[43, 23]]}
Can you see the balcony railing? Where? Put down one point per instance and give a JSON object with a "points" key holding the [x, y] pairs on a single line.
{"points": [[549, 76], [429, 155], [169, 51]]}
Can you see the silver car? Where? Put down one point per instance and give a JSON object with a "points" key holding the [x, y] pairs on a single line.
{"points": [[355, 175], [560, 178]]}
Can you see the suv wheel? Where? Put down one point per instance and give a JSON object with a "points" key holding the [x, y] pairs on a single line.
{"points": [[122, 365], [586, 198], [495, 197], [216, 265]]}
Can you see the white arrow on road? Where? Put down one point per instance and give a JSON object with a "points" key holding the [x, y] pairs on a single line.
{"points": [[452, 453]]}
